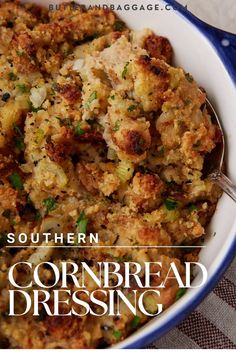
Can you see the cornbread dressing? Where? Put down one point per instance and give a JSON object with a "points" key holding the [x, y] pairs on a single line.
{"points": [[99, 133]]}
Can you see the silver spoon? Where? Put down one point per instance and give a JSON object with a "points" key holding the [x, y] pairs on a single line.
{"points": [[214, 161]]}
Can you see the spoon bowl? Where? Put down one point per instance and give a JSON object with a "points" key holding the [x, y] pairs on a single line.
{"points": [[214, 162]]}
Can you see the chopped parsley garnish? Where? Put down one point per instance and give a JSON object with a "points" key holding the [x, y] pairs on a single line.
{"points": [[117, 334], [125, 70], [50, 204], [17, 129], [20, 138], [131, 108], [192, 207], [180, 293], [116, 126], [21, 88], [79, 130], [113, 97], [20, 144], [170, 204], [33, 109], [12, 76], [82, 223], [91, 98], [16, 181], [119, 26], [135, 322]]}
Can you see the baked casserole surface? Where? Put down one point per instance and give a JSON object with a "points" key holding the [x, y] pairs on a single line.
{"points": [[98, 125]]}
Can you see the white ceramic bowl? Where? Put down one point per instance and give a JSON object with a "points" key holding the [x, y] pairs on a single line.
{"points": [[198, 49]]}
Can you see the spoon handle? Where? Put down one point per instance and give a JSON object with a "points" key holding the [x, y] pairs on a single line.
{"points": [[224, 182]]}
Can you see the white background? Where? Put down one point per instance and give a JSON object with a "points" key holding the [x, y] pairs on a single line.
{"points": [[219, 13]]}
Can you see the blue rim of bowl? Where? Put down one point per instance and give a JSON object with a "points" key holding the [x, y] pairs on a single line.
{"points": [[186, 309], [215, 37]]}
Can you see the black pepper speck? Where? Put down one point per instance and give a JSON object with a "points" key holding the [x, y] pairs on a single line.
{"points": [[6, 96]]}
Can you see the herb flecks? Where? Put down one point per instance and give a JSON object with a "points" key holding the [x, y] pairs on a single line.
{"points": [[82, 223], [91, 98], [171, 204], [78, 130], [116, 126], [180, 293], [117, 334], [16, 181], [21, 88], [50, 204], [19, 138], [131, 108], [135, 322], [125, 71]]}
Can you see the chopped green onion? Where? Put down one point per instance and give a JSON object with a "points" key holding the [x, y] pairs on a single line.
{"points": [[91, 98], [16, 181], [170, 204], [21, 88], [33, 109], [135, 322], [17, 130], [20, 144], [125, 70], [131, 108], [82, 223], [116, 126], [79, 130], [49, 204], [192, 207], [113, 97], [117, 334], [180, 293]]}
